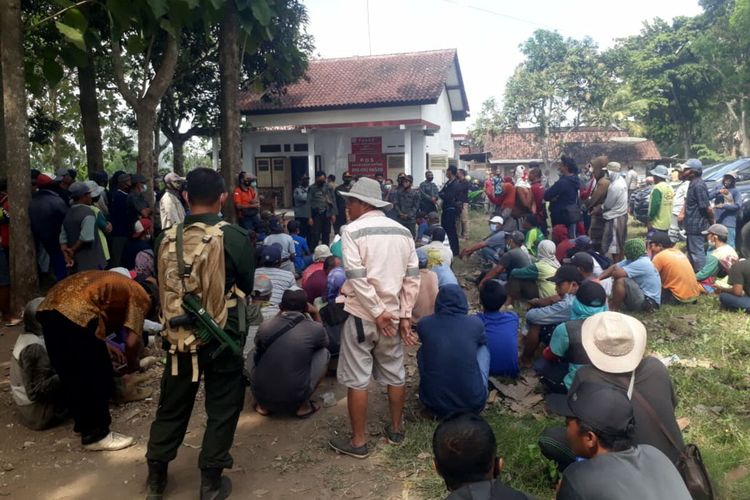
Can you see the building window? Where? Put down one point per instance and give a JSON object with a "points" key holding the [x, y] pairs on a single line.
{"points": [[300, 148], [270, 148], [287, 148]]}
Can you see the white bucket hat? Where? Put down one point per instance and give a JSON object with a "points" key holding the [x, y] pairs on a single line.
{"points": [[368, 191], [322, 252], [614, 342]]}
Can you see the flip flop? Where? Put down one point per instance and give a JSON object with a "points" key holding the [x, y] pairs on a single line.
{"points": [[313, 410]]}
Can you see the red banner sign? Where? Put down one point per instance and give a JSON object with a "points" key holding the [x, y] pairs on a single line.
{"points": [[367, 165], [367, 145]]}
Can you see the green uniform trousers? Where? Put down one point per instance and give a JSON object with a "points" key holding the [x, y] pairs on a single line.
{"points": [[225, 396]]}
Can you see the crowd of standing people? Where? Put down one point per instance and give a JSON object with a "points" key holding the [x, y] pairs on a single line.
{"points": [[362, 271]]}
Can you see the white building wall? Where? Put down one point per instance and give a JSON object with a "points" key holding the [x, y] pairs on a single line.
{"points": [[336, 116], [441, 142]]}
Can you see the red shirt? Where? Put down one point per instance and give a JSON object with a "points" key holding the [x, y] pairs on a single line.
{"points": [[4, 221]]}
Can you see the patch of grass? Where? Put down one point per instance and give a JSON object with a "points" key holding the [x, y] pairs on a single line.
{"points": [[714, 399]]}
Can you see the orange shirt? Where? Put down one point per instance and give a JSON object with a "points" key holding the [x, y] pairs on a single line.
{"points": [[677, 274], [242, 197], [112, 299]]}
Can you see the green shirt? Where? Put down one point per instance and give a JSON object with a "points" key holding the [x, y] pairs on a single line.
{"points": [[660, 206]]}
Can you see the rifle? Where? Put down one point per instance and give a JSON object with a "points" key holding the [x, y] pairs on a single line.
{"points": [[206, 329]]}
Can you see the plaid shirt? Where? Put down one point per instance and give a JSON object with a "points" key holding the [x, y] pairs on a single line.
{"points": [[696, 207]]}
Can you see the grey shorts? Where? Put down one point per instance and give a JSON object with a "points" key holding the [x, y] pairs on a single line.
{"points": [[635, 300], [377, 356]]}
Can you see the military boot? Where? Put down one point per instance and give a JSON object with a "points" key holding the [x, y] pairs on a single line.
{"points": [[157, 480], [214, 486]]}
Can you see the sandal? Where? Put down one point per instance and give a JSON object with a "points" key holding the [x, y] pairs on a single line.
{"points": [[313, 410]]}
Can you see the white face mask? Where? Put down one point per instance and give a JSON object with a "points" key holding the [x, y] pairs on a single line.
{"points": [[493, 228], [145, 188]]}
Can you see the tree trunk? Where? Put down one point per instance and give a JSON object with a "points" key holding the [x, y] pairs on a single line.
{"points": [[229, 70], [744, 137], [145, 118], [57, 137], [3, 158], [178, 155], [87, 100], [23, 269]]}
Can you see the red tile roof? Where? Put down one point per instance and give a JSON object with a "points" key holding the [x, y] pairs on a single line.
{"points": [[523, 143], [360, 82]]}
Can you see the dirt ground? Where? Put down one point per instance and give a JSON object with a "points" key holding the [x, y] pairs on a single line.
{"points": [[273, 457]]}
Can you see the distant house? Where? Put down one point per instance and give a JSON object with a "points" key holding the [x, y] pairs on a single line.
{"points": [[366, 115], [506, 150]]}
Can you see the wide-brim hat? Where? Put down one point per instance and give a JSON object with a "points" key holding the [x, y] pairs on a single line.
{"points": [[660, 171], [322, 252], [614, 342], [368, 191]]}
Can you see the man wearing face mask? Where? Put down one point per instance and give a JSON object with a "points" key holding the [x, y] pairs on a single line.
{"points": [[428, 194], [138, 204], [301, 209], [727, 204], [407, 205], [321, 200], [721, 255], [247, 202], [344, 187]]}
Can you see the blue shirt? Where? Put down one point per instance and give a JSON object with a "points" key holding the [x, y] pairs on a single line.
{"points": [[501, 330], [643, 272], [300, 251], [553, 314], [445, 275]]}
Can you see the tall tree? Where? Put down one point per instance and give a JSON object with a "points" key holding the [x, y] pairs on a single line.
{"points": [[229, 118], [89, 105], [23, 269], [562, 81]]}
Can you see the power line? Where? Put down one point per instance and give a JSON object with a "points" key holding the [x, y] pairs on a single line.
{"points": [[499, 14]]}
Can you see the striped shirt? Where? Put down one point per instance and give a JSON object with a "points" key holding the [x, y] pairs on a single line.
{"points": [[281, 279]]}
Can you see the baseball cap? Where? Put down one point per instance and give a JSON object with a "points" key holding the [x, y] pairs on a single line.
{"points": [[294, 299], [141, 226], [322, 252], [717, 229], [516, 236], [661, 239], [497, 220], [603, 407], [262, 285], [566, 272], [347, 174], [43, 180], [582, 260], [271, 254], [583, 242], [433, 217], [96, 189], [591, 294], [614, 342], [60, 173], [694, 164], [79, 190], [275, 226]]}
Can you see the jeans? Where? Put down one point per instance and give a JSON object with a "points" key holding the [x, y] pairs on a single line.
{"points": [[572, 230], [732, 302], [448, 221], [489, 255], [696, 247], [732, 236], [483, 358]]}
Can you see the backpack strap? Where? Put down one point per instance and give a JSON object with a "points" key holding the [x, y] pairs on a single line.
{"points": [[259, 352], [652, 414]]}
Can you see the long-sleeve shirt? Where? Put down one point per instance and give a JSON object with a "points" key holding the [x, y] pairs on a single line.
{"points": [[727, 214], [382, 270], [171, 210], [696, 207], [301, 208], [321, 199], [428, 190], [724, 256]]}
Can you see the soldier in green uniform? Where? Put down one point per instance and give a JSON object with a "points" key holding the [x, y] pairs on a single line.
{"points": [[224, 383], [406, 205]]}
